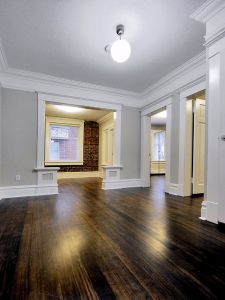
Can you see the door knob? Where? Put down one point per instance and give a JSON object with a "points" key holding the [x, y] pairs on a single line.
{"points": [[223, 137]]}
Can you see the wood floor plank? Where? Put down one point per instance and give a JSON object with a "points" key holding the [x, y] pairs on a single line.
{"points": [[87, 243]]}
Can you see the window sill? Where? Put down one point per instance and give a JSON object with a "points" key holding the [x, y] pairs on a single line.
{"points": [[80, 163]]}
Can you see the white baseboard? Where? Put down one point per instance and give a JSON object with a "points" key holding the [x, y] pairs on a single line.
{"points": [[121, 184], [67, 175], [27, 190], [209, 212], [172, 188]]}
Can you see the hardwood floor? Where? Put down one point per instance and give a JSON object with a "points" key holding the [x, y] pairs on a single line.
{"points": [[86, 243]]}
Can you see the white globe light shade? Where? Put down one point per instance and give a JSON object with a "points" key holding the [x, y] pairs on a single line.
{"points": [[120, 51]]}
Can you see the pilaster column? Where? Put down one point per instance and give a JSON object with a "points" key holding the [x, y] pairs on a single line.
{"points": [[212, 13]]}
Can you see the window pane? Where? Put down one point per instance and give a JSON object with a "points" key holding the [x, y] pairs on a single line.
{"points": [[159, 146], [64, 143]]}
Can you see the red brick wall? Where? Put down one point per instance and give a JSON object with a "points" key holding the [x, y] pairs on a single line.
{"points": [[91, 150]]}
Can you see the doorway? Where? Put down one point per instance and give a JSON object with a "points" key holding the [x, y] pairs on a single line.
{"points": [[196, 108], [147, 158], [158, 143], [192, 143]]}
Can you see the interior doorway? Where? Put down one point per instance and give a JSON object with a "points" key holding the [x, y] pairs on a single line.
{"points": [[192, 141], [78, 140], [158, 143], [146, 116], [196, 137]]}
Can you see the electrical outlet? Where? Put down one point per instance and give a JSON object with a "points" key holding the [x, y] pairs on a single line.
{"points": [[18, 177]]}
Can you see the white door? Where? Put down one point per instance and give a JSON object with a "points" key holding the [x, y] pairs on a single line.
{"points": [[199, 147]]}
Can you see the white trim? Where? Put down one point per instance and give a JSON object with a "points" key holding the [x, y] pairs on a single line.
{"points": [[145, 140], [212, 13], [67, 175], [111, 167], [172, 188], [68, 122], [209, 212], [168, 144], [27, 191], [187, 75], [105, 118], [78, 101], [145, 150], [207, 10], [42, 83], [117, 138], [46, 169], [41, 134], [121, 184], [157, 106], [198, 87]]}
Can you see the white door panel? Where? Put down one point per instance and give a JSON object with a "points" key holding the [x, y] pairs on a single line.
{"points": [[199, 147]]}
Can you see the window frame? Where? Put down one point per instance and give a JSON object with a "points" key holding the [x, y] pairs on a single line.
{"points": [[63, 122]]}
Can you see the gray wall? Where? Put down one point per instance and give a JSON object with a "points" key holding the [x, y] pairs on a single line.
{"points": [[0, 134], [175, 124], [19, 137], [131, 143]]}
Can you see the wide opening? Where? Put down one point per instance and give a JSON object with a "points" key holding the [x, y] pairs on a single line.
{"points": [[158, 146], [78, 140]]}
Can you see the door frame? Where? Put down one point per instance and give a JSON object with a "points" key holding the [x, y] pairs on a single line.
{"points": [[43, 98], [185, 145], [145, 141]]}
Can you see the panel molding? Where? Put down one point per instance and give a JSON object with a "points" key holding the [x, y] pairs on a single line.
{"points": [[121, 184]]}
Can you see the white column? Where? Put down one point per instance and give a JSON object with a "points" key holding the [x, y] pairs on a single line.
{"points": [[145, 150], [168, 148], [117, 137], [41, 134], [46, 176], [212, 13], [0, 135], [111, 174]]}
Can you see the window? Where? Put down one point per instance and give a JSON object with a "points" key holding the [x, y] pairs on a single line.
{"points": [[64, 141], [159, 146]]}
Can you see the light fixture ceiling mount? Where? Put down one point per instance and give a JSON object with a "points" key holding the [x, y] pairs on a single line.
{"points": [[120, 29], [120, 50]]}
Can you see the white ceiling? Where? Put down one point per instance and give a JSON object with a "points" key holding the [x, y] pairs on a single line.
{"points": [[66, 38], [85, 114]]}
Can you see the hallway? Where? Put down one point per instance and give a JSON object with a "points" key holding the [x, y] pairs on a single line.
{"points": [[87, 243]]}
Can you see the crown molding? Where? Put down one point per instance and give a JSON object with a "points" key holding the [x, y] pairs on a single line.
{"points": [[42, 83], [212, 13], [189, 73], [105, 118], [183, 76], [208, 10]]}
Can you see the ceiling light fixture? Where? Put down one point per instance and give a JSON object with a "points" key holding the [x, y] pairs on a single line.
{"points": [[120, 50], [69, 109]]}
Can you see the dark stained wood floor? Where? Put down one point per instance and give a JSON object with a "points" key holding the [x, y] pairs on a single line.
{"points": [[87, 243]]}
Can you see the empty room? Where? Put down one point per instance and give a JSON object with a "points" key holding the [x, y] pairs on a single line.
{"points": [[112, 149]]}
